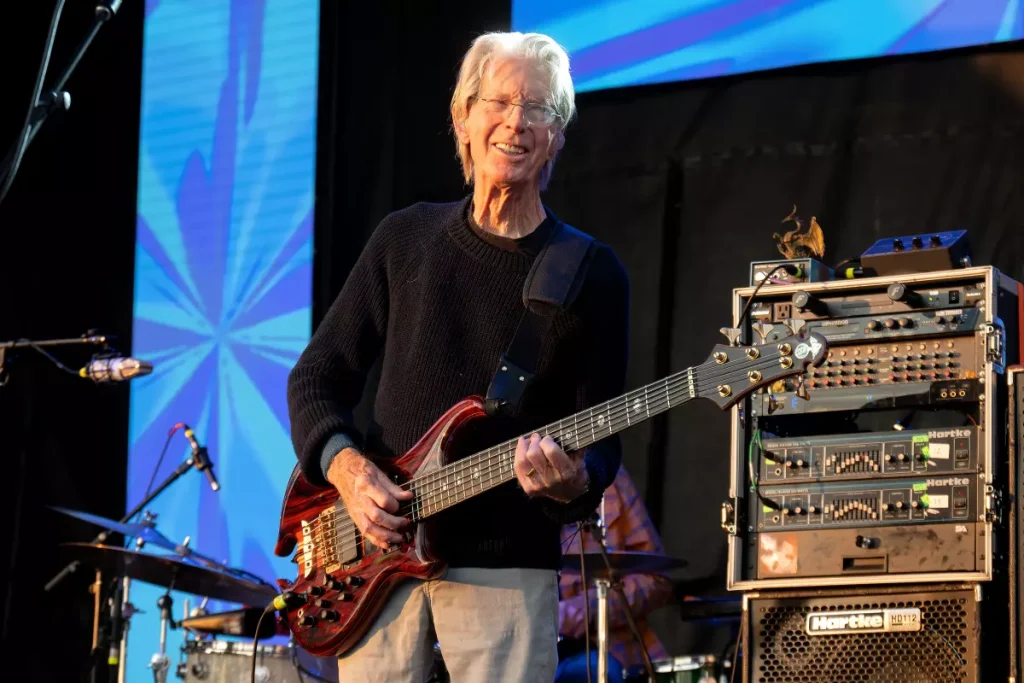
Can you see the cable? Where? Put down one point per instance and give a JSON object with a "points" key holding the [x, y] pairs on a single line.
{"points": [[256, 638], [789, 268], [21, 144], [53, 359], [756, 467], [736, 653], [159, 461]]}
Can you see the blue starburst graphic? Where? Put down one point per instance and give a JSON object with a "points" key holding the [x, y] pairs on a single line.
{"points": [[223, 274]]}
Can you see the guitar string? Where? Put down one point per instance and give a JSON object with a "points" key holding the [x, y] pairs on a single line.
{"points": [[618, 404], [499, 462], [490, 477]]}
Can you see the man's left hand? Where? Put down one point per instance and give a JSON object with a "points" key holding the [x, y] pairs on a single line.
{"points": [[544, 469]]}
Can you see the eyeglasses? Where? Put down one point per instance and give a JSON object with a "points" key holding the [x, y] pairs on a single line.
{"points": [[535, 113]]}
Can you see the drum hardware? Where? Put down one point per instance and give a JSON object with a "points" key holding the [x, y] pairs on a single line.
{"points": [[143, 533], [160, 662], [242, 623], [605, 567]]}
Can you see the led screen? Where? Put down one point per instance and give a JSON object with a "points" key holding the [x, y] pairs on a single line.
{"points": [[629, 42], [223, 278]]}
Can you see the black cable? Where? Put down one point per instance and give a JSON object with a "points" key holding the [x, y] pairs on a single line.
{"points": [[21, 144], [736, 653], [754, 468], [256, 640], [159, 461], [53, 359], [791, 269]]}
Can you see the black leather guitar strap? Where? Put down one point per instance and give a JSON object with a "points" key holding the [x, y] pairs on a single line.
{"points": [[552, 284]]}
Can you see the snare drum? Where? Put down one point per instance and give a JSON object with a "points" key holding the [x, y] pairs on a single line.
{"points": [[694, 669], [223, 661]]}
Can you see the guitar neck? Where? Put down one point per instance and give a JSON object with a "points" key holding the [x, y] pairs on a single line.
{"points": [[487, 469]]}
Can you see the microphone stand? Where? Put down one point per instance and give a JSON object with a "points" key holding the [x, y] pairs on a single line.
{"points": [[603, 584], [86, 339], [53, 99]]}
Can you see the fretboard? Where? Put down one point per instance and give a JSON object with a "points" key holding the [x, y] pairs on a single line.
{"points": [[487, 469]]}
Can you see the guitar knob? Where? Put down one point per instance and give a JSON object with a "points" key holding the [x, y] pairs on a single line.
{"points": [[322, 603], [345, 597], [306, 620], [316, 591], [328, 615], [354, 581]]}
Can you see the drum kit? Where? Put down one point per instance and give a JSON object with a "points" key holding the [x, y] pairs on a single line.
{"points": [[205, 656]]}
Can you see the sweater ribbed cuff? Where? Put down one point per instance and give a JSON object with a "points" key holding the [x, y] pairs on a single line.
{"points": [[336, 444]]}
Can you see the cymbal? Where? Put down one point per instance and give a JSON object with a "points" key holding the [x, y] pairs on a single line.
{"points": [[173, 572], [147, 532], [625, 562]]}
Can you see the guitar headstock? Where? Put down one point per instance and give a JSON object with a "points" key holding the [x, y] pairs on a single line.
{"points": [[732, 372]]}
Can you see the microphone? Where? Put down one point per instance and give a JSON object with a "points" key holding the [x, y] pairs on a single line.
{"points": [[103, 370], [202, 458]]}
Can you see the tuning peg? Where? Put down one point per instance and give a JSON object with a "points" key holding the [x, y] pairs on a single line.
{"points": [[795, 324], [732, 334], [763, 330]]}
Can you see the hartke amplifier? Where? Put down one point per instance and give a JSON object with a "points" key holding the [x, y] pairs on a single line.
{"points": [[885, 635]]}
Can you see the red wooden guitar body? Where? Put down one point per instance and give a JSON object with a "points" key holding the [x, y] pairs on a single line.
{"points": [[338, 597]]}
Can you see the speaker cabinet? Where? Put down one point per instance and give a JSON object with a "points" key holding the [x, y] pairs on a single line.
{"points": [[927, 634]]}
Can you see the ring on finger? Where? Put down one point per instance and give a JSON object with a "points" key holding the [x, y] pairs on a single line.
{"points": [[533, 471]]}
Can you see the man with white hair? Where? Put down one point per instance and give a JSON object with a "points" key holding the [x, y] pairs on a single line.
{"points": [[438, 291]]}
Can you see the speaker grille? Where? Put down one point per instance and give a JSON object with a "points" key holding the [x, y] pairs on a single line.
{"points": [[943, 651]]}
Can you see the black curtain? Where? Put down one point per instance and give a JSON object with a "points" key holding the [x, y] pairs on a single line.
{"points": [[687, 182], [67, 233]]}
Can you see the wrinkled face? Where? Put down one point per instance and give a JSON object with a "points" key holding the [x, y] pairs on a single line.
{"points": [[510, 144]]}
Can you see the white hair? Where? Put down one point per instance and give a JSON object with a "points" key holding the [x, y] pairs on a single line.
{"points": [[533, 46]]}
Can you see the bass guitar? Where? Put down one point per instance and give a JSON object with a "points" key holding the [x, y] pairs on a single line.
{"points": [[344, 581]]}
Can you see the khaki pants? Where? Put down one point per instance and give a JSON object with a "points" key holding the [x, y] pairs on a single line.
{"points": [[491, 624]]}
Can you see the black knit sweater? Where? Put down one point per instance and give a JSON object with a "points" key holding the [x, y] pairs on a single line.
{"points": [[441, 300]]}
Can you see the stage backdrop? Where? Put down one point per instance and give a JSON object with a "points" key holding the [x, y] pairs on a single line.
{"points": [[628, 42], [223, 273]]}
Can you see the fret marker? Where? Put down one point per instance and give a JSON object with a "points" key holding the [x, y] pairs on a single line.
{"points": [[636, 406], [600, 420], [476, 473]]}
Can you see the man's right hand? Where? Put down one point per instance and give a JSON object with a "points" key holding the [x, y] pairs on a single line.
{"points": [[369, 496]]}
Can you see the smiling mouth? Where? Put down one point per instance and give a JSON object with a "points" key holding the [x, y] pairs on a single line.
{"points": [[509, 148]]}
